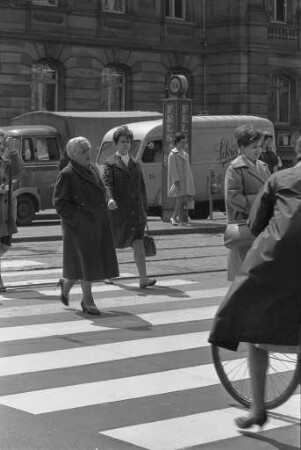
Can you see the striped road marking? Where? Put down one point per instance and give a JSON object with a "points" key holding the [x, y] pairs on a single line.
{"points": [[88, 326], [100, 392], [196, 429]]}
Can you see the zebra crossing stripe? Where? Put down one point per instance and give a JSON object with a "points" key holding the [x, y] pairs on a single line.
{"points": [[116, 390], [149, 296], [80, 356], [88, 326], [192, 430]]}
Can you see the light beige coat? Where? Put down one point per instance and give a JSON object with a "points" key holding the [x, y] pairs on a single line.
{"points": [[243, 181], [179, 169]]}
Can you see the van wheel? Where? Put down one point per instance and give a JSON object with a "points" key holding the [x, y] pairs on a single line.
{"points": [[201, 211], [25, 210]]}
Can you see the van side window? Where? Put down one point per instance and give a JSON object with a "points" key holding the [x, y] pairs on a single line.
{"points": [[47, 149], [153, 152], [27, 150]]}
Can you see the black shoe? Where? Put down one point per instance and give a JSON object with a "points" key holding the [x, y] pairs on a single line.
{"points": [[149, 282], [90, 309], [248, 422], [2, 289], [64, 299]]}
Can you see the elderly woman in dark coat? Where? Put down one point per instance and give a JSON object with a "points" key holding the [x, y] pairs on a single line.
{"points": [[127, 200], [263, 305], [245, 177], [88, 250], [11, 166]]}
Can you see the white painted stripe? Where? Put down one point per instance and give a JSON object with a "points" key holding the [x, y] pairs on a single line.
{"points": [[189, 431], [101, 288], [148, 296], [49, 329], [46, 270], [8, 263], [36, 362], [85, 326], [96, 393]]}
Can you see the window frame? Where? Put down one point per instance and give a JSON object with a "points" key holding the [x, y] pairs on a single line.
{"points": [[274, 11], [108, 90], [111, 10], [46, 3], [278, 90], [41, 85], [172, 8]]}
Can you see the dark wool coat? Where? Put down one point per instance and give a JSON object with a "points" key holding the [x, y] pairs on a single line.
{"points": [[126, 186], [242, 184], [263, 304], [9, 169], [80, 200]]}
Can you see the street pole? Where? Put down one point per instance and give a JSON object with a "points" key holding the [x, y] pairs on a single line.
{"points": [[177, 117]]}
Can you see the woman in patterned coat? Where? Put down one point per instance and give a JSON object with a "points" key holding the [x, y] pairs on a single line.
{"points": [[127, 201], [11, 166]]}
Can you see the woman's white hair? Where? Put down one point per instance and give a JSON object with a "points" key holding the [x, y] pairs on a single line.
{"points": [[75, 144]]}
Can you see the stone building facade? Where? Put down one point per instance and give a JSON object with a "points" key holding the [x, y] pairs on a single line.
{"points": [[240, 56]]}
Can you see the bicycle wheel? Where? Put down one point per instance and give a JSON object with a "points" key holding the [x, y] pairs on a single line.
{"points": [[232, 369]]}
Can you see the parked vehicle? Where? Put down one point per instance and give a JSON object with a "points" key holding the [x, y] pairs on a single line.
{"points": [[212, 148], [40, 138]]}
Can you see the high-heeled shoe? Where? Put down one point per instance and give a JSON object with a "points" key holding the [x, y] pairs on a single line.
{"points": [[248, 422], [2, 289], [90, 309], [149, 282], [173, 221], [64, 298]]}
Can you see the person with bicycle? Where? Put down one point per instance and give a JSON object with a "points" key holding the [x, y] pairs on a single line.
{"points": [[263, 307]]}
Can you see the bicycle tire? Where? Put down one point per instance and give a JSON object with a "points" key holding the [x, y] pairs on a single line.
{"points": [[246, 400]]}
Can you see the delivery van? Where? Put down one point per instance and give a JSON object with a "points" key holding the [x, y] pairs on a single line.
{"points": [[40, 148], [213, 146], [40, 137]]}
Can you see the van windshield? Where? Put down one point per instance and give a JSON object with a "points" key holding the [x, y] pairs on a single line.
{"points": [[108, 148]]}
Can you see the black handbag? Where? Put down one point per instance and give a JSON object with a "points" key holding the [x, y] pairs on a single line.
{"points": [[149, 244]]}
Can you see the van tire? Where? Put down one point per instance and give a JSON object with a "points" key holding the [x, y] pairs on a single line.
{"points": [[26, 209], [200, 211]]}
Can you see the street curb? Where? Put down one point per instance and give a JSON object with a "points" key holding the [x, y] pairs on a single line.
{"points": [[204, 229]]}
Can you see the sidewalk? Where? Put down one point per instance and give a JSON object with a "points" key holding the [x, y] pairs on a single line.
{"points": [[47, 227]]}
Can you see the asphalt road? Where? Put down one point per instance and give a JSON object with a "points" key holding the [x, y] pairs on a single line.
{"points": [[140, 376]]}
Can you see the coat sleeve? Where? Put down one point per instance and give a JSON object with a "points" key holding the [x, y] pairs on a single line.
{"points": [[234, 191], [108, 179], [263, 207], [63, 199], [172, 168], [17, 165], [142, 186]]}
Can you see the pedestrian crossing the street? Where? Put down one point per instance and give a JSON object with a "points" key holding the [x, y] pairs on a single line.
{"points": [[141, 374]]}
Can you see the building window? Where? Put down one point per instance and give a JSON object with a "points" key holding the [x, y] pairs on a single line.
{"points": [[113, 6], [278, 10], [175, 9], [45, 2], [44, 87], [283, 96], [113, 81]]}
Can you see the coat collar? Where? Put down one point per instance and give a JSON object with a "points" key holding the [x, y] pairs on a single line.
{"points": [[259, 172], [117, 161], [92, 177]]}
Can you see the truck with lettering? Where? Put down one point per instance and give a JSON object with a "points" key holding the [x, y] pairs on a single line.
{"points": [[40, 138], [213, 146]]}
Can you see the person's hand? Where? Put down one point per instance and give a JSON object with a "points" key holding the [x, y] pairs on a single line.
{"points": [[4, 188], [112, 204]]}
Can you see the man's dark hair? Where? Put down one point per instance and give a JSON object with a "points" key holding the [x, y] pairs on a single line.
{"points": [[246, 134], [178, 138], [122, 131]]}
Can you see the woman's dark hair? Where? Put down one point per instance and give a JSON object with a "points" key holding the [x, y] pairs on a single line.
{"points": [[122, 131], [246, 134], [178, 138]]}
